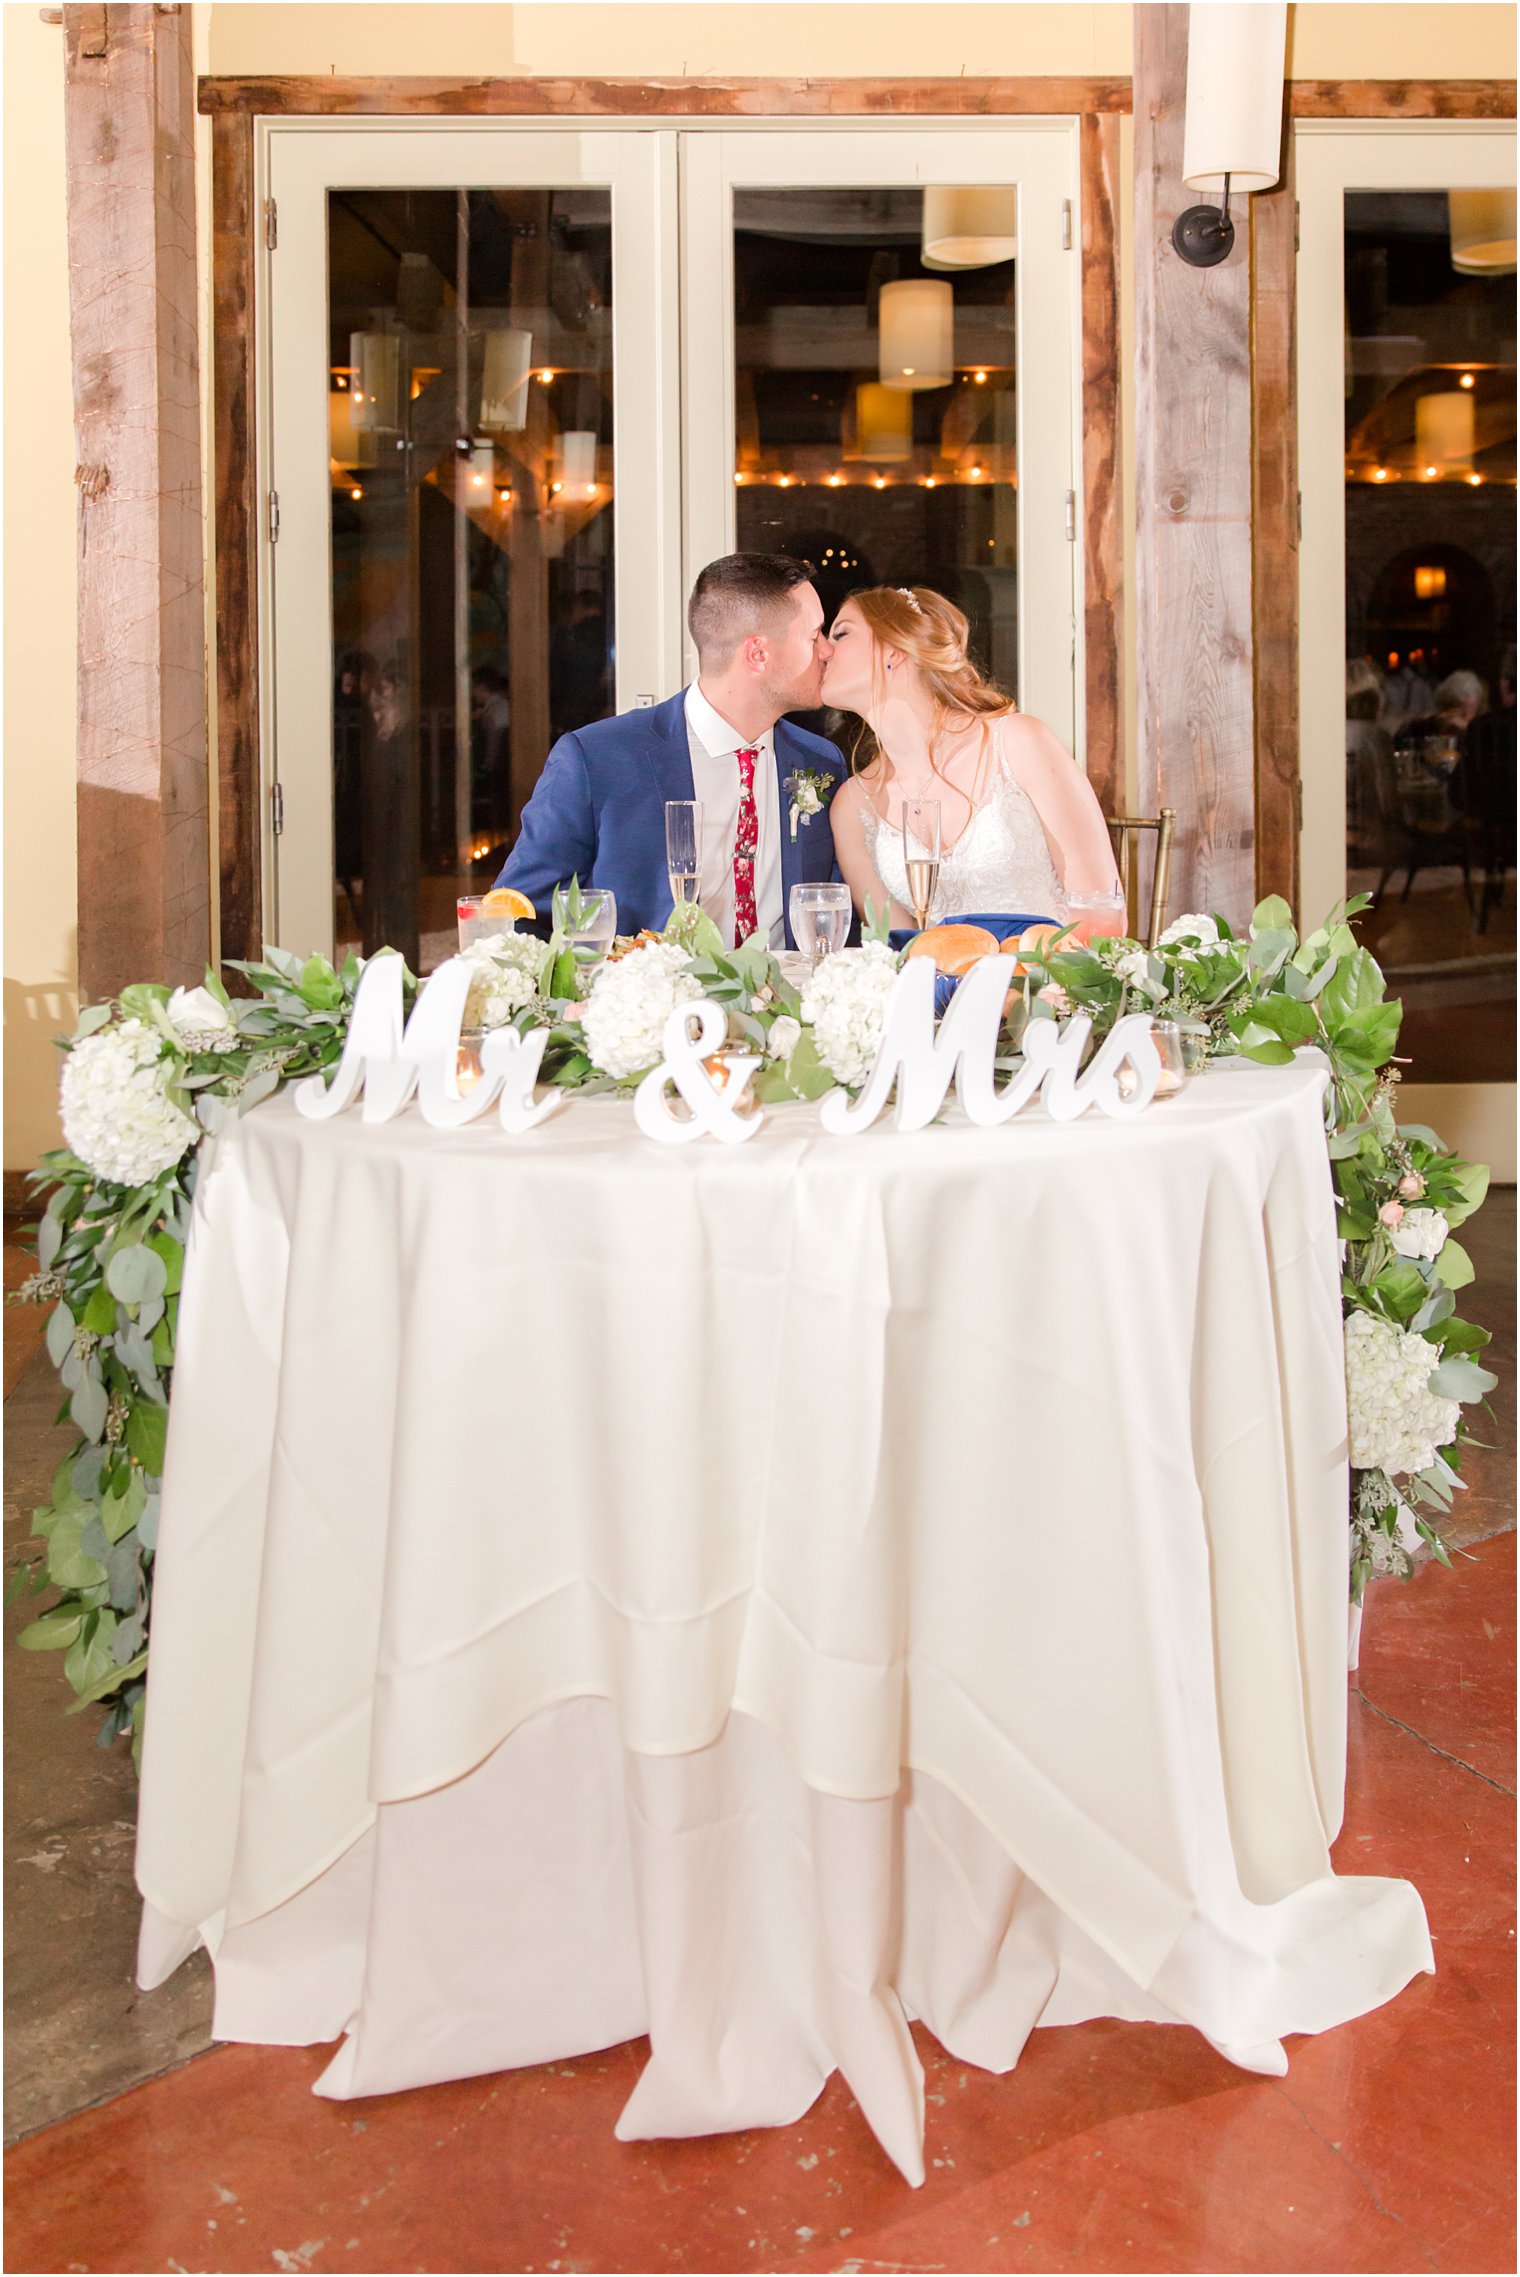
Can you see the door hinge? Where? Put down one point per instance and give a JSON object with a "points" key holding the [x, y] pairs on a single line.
{"points": [[271, 224], [1066, 225], [277, 808], [274, 517], [1071, 517]]}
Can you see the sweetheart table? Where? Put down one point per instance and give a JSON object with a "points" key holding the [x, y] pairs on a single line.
{"points": [[759, 1596]]}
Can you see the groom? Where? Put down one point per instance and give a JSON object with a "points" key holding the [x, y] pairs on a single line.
{"points": [[598, 809]]}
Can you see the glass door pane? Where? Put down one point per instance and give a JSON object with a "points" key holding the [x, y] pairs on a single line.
{"points": [[472, 489], [875, 402], [477, 539], [1430, 617], [893, 397]]}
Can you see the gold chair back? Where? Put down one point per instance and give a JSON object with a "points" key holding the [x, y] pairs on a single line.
{"points": [[1125, 829]]}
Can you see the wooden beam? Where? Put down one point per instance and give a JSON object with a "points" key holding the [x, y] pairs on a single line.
{"points": [[1402, 98], [144, 863], [240, 815], [1274, 535], [1193, 507], [1102, 487], [690, 98]]}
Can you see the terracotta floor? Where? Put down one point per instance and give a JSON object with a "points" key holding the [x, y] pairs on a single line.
{"points": [[1389, 2146]]}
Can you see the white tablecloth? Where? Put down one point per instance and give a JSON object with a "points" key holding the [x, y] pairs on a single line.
{"points": [[962, 1512]]}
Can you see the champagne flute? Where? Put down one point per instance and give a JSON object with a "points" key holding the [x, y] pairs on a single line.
{"points": [[683, 850], [820, 919], [921, 850]]}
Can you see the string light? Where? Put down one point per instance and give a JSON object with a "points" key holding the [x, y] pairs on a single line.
{"points": [[975, 473], [881, 482], [546, 377], [1380, 474], [504, 497], [357, 491], [555, 488], [591, 490], [930, 482], [835, 480], [738, 478], [1467, 380], [980, 378], [1430, 474], [1475, 480]]}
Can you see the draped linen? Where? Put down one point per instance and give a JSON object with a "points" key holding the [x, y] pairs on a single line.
{"points": [[929, 1549]]}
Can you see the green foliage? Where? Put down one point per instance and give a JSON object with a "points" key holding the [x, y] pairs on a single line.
{"points": [[110, 1258]]}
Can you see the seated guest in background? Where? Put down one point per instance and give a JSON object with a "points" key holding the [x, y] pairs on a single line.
{"points": [[1483, 787], [1369, 760], [598, 810]]}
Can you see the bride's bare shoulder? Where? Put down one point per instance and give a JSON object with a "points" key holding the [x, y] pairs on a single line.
{"points": [[1029, 745]]}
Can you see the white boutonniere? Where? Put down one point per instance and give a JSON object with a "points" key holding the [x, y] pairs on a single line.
{"points": [[809, 790]]}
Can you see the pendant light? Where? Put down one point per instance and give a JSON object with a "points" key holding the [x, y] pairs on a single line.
{"points": [[917, 321], [879, 423], [1482, 232], [376, 358], [505, 370], [969, 226]]}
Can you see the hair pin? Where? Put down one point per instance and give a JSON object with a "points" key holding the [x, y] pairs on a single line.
{"points": [[911, 598]]}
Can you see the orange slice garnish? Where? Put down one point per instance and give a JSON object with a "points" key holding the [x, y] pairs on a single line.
{"points": [[506, 901]]}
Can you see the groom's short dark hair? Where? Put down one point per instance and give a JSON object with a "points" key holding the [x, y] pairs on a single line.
{"points": [[740, 594]]}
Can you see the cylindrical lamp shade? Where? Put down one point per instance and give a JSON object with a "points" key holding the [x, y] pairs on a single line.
{"points": [[1443, 431], [1482, 232], [377, 380], [504, 379], [1234, 95], [917, 334], [577, 458], [347, 444], [881, 424], [970, 226]]}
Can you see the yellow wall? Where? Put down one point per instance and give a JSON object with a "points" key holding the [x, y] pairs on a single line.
{"points": [[39, 588], [1427, 39]]}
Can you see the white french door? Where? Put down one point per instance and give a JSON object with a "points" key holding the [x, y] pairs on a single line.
{"points": [[1406, 379], [519, 384]]}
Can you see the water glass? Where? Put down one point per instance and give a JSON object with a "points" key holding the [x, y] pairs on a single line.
{"points": [[683, 850], [596, 929], [477, 925], [820, 919]]}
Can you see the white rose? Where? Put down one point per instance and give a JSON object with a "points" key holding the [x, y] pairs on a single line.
{"points": [[1135, 967], [200, 1022], [1419, 1233], [116, 1114], [806, 799], [1199, 932], [785, 1035], [1396, 1422]]}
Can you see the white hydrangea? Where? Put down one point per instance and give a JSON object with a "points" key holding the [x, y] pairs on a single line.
{"points": [[1419, 1233], [116, 1116], [1397, 1422], [1197, 931], [845, 1002], [504, 972], [200, 1022], [784, 1037], [631, 999]]}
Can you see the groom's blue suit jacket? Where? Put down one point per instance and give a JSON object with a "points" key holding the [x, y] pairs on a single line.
{"points": [[598, 813]]}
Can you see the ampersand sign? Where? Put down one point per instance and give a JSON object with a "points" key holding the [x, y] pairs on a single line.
{"points": [[712, 1108]]}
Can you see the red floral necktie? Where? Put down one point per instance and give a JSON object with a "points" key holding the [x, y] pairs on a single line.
{"points": [[746, 839]]}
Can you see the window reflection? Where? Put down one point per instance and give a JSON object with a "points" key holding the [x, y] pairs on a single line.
{"points": [[1430, 614], [471, 469], [875, 411]]}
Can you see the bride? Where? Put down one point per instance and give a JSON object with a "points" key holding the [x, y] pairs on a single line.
{"points": [[1020, 828]]}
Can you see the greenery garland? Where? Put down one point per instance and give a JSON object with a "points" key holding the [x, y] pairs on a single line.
{"points": [[173, 1067]]}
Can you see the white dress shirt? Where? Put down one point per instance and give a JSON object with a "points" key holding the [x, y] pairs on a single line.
{"points": [[715, 781]]}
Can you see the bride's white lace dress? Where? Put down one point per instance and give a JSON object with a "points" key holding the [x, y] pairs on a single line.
{"points": [[1000, 861]]}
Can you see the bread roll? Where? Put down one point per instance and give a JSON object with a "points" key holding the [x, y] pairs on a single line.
{"points": [[953, 948]]}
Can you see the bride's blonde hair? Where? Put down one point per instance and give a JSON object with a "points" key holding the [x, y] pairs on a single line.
{"points": [[932, 633]]}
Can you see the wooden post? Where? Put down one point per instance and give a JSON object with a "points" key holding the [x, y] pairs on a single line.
{"points": [[144, 878], [1193, 479]]}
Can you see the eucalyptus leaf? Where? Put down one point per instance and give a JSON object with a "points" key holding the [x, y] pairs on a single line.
{"points": [[59, 1336], [147, 1524], [257, 1088], [108, 1676], [135, 1352], [88, 1407], [89, 1657], [69, 1564], [122, 1571], [53, 1631], [1457, 1378], [134, 1275]]}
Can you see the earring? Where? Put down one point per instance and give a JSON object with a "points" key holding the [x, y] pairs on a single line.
{"points": [[889, 667]]}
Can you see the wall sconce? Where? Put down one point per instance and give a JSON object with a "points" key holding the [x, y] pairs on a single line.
{"points": [[1443, 431], [1233, 134], [504, 379], [917, 317], [1429, 583], [878, 423], [970, 226], [1482, 232]]}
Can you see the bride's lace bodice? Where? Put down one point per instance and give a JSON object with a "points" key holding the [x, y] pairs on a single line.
{"points": [[1000, 861]]}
